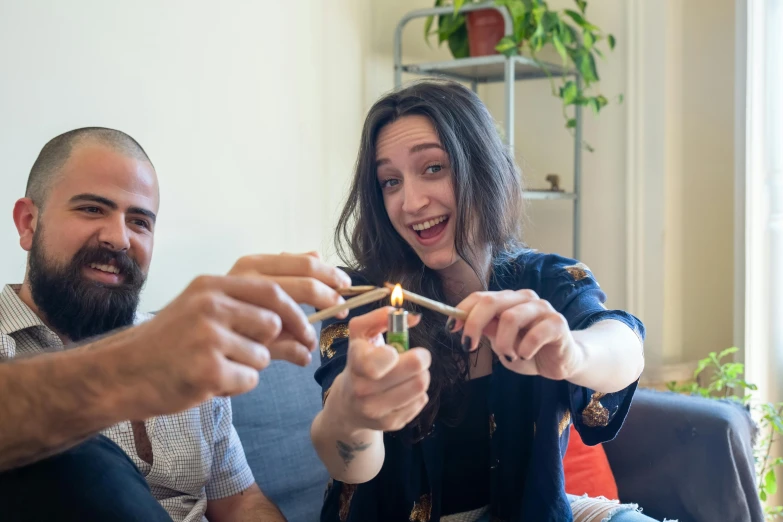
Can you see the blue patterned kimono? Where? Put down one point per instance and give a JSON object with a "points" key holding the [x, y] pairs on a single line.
{"points": [[526, 478]]}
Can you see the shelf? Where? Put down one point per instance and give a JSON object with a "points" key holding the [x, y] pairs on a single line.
{"points": [[485, 69], [548, 194]]}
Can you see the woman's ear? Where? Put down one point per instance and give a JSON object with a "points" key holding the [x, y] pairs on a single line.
{"points": [[26, 221]]}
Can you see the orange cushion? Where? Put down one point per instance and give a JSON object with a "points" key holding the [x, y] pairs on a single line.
{"points": [[587, 469]]}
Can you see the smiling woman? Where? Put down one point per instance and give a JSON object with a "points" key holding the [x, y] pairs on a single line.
{"points": [[469, 423]]}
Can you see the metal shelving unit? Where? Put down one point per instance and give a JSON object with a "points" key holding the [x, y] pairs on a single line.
{"points": [[497, 69]]}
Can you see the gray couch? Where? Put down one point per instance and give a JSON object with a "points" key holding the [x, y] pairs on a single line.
{"points": [[678, 457]]}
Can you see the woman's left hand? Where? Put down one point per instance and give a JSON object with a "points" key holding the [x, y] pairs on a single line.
{"points": [[528, 335]]}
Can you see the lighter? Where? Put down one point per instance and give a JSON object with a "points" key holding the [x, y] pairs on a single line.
{"points": [[397, 334]]}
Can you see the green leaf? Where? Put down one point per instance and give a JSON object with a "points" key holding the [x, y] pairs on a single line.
{"points": [[576, 17], [560, 48], [587, 69], [582, 5], [507, 46], [770, 482], [612, 41], [728, 351], [458, 5], [458, 42], [588, 40], [427, 27], [448, 25], [569, 92], [563, 33], [428, 23], [763, 495], [593, 103], [549, 21], [571, 123], [538, 13]]}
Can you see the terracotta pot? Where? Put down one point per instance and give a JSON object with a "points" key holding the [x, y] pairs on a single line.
{"points": [[485, 30]]}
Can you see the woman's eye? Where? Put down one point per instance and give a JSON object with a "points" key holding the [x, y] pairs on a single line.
{"points": [[388, 183], [433, 169]]}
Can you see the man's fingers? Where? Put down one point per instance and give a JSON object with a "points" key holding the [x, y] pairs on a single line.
{"points": [[236, 379], [245, 351], [264, 293], [256, 324], [307, 290], [291, 351], [294, 265]]}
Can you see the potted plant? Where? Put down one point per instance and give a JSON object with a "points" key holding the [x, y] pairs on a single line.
{"points": [[536, 27], [726, 381]]}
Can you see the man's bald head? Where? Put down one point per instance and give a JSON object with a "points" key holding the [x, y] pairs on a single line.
{"points": [[59, 149]]}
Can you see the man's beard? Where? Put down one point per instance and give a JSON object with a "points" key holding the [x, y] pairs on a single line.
{"points": [[77, 307]]}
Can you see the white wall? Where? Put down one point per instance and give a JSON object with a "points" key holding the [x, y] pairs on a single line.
{"points": [[252, 117], [708, 175]]}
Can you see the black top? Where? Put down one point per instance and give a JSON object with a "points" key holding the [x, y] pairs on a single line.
{"points": [[528, 424], [466, 462]]}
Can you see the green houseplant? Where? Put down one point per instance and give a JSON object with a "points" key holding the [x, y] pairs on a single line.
{"points": [[536, 27], [714, 378]]}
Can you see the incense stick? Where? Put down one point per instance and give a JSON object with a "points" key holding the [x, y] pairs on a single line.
{"points": [[354, 290], [431, 304], [359, 300]]}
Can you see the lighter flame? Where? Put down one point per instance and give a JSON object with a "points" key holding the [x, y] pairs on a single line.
{"points": [[396, 297]]}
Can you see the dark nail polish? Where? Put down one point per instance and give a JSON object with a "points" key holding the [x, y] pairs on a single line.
{"points": [[467, 343], [450, 324], [509, 358]]}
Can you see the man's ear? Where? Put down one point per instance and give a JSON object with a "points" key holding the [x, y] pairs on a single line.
{"points": [[26, 221]]}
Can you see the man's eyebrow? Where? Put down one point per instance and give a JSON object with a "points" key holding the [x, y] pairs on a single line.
{"points": [[112, 205]]}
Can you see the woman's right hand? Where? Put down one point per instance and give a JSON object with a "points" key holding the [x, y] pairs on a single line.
{"points": [[380, 389]]}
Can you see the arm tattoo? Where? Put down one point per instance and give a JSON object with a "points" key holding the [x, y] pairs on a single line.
{"points": [[347, 450]]}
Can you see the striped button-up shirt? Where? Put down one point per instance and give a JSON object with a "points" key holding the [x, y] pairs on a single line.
{"points": [[197, 454]]}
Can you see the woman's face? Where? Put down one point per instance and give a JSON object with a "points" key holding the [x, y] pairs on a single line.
{"points": [[415, 176]]}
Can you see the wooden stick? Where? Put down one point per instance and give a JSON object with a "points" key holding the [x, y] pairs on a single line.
{"points": [[359, 300], [353, 290], [431, 304]]}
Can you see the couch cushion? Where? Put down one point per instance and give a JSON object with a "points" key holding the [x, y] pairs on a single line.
{"points": [[273, 421]]}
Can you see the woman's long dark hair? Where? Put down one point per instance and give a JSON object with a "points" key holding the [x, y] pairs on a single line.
{"points": [[488, 195]]}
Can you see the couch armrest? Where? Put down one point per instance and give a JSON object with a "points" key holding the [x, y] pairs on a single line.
{"points": [[687, 458]]}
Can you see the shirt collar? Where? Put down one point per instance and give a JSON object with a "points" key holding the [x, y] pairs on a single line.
{"points": [[14, 314]]}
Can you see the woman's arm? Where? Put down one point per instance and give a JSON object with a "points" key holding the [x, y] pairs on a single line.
{"points": [[612, 357], [378, 390]]}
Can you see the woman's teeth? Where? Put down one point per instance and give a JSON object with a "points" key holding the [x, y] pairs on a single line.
{"points": [[428, 224], [105, 268]]}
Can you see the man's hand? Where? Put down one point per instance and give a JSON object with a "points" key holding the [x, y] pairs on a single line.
{"points": [[210, 341], [306, 279], [215, 337]]}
